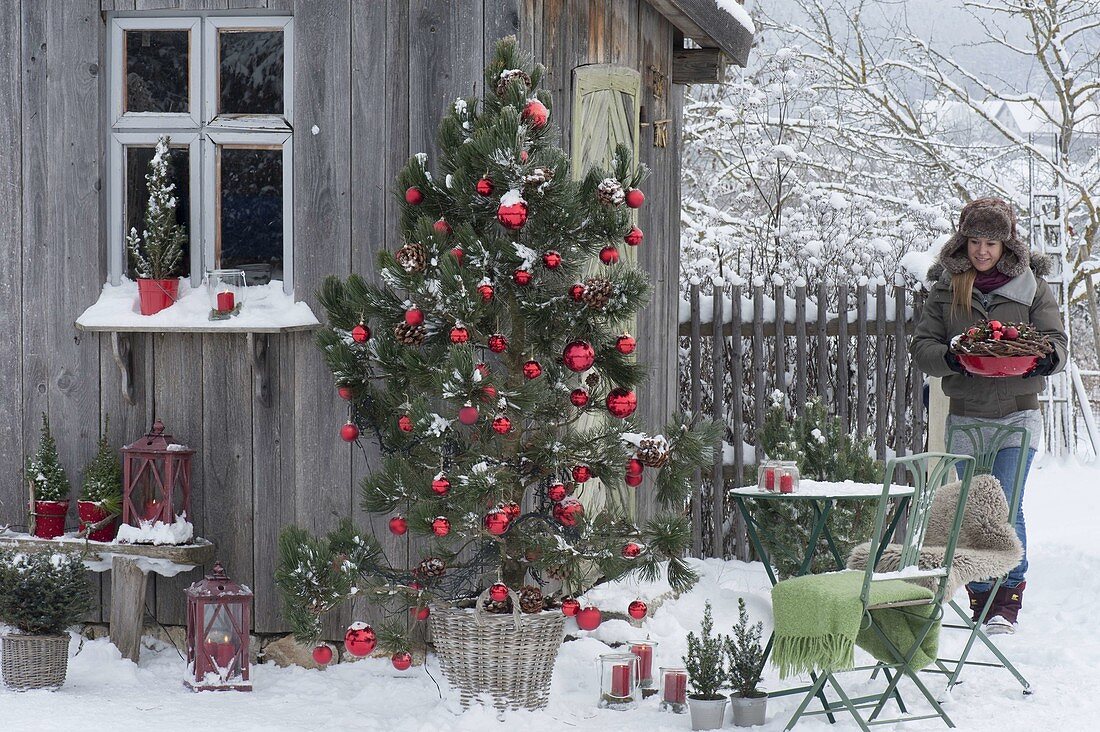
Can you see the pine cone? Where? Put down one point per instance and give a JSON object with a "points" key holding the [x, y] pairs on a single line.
{"points": [[597, 292], [591, 380], [538, 176], [497, 608], [410, 335], [610, 192], [530, 599], [411, 257], [653, 452], [508, 76], [431, 567]]}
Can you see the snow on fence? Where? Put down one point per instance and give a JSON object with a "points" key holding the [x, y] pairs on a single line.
{"points": [[847, 346]]}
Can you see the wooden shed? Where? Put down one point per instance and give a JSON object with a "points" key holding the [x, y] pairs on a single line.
{"points": [[309, 109]]}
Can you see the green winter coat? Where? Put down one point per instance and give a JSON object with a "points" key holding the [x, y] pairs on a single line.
{"points": [[1024, 299]]}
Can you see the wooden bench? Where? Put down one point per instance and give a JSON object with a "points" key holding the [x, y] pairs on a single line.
{"points": [[130, 565]]}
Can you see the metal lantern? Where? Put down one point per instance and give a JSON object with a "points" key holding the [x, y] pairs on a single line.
{"points": [[218, 612], [156, 479]]}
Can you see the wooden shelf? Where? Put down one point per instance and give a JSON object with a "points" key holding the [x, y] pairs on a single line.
{"points": [[199, 552], [212, 327]]}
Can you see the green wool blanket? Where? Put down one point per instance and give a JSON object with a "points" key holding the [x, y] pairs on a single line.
{"points": [[818, 619]]}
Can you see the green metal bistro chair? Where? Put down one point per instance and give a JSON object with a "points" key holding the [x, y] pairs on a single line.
{"points": [[986, 440], [893, 615]]}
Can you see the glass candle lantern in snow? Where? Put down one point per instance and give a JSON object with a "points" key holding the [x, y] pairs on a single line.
{"points": [[766, 475], [618, 680], [787, 476], [226, 289], [674, 689], [156, 479], [644, 650], [218, 612]]}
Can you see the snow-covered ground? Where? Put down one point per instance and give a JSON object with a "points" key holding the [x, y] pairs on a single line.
{"points": [[1056, 648]]}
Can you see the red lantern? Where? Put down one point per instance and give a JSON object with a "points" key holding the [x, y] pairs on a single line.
{"points": [[360, 333], [498, 592], [635, 198], [551, 259], [521, 277], [633, 237], [578, 397], [502, 425], [442, 227], [621, 402], [360, 639], [532, 369], [218, 616], [589, 618], [399, 525], [459, 335], [486, 291], [577, 292], [637, 609], [535, 113], [570, 607], [631, 550], [496, 522], [512, 215], [440, 485], [557, 492], [497, 343], [578, 356], [468, 414], [484, 187], [581, 473], [568, 511], [156, 478], [609, 255], [441, 526], [625, 344], [349, 432], [413, 196]]}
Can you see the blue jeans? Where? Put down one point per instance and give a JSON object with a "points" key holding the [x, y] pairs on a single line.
{"points": [[1004, 470]]}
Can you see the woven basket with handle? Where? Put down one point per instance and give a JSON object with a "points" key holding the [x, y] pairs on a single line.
{"points": [[34, 661], [508, 657]]}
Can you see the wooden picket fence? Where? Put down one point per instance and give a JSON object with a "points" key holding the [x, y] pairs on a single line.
{"points": [[852, 353]]}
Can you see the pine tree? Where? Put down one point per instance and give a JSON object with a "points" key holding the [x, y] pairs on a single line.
{"points": [[44, 469], [745, 656], [103, 477], [457, 366], [43, 594], [158, 256], [707, 673]]}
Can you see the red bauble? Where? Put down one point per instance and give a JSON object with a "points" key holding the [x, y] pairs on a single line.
{"points": [[578, 356], [557, 492], [496, 522], [413, 196], [568, 511], [512, 509], [589, 618], [631, 550], [1011, 333], [399, 525], [577, 292], [637, 609], [483, 368], [405, 423], [532, 369], [349, 432], [535, 113], [360, 639], [486, 291], [502, 425], [632, 480], [440, 485], [468, 414], [512, 215], [634, 466], [581, 473], [457, 253], [609, 255], [360, 333], [441, 526], [551, 259], [401, 660], [523, 156], [459, 335], [322, 654], [497, 343], [579, 397], [521, 277], [346, 392], [625, 344], [489, 392], [442, 227], [570, 607], [414, 316], [420, 613], [484, 187], [621, 402], [498, 592], [995, 325], [635, 198], [633, 237]]}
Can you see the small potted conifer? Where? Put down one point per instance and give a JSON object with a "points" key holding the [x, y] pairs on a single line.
{"points": [[40, 596], [100, 502], [49, 487], [156, 256], [746, 662], [706, 675]]}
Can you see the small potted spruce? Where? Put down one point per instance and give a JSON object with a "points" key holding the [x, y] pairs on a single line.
{"points": [[746, 662], [49, 487], [40, 596], [706, 675], [156, 258], [100, 502]]}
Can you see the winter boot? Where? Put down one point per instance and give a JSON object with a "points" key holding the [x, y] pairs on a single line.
{"points": [[1005, 610], [977, 602]]}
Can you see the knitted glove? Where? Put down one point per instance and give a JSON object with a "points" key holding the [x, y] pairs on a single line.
{"points": [[1044, 366], [954, 364]]}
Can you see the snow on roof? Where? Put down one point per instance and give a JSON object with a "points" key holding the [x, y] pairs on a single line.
{"points": [[737, 10]]}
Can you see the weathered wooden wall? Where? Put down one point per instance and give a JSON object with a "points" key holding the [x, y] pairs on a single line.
{"points": [[375, 77]]}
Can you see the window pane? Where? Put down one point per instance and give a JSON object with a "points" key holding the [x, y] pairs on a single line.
{"points": [[251, 73], [137, 193], [250, 211], [156, 71]]}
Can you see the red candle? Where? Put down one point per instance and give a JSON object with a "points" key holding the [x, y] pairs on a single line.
{"points": [[769, 479], [620, 680], [786, 483], [644, 652], [221, 652], [225, 301], [675, 687]]}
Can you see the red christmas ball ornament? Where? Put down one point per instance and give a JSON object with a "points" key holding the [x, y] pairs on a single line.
{"points": [[486, 291], [399, 525], [468, 414], [420, 613], [551, 259], [442, 227], [484, 187], [521, 277], [360, 333], [523, 156], [621, 402], [625, 344], [532, 369], [578, 356], [1011, 333], [414, 316], [349, 432], [490, 392], [631, 550], [535, 113], [557, 492], [498, 592], [496, 522], [570, 607], [589, 618], [346, 392], [995, 325], [459, 335], [512, 509], [609, 255], [457, 253], [405, 423], [635, 198], [512, 215], [441, 526], [996, 335], [413, 196], [634, 466], [497, 343], [401, 660], [637, 609], [578, 397], [502, 425], [568, 511], [322, 654], [634, 236], [360, 639], [577, 292], [483, 368], [581, 473], [414, 586], [440, 485], [632, 480]]}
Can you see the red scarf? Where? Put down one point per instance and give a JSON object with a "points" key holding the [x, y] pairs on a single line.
{"points": [[990, 280]]}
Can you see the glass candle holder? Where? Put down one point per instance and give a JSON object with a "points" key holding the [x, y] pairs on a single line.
{"points": [[673, 689], [644, 650], [226, 289], [766, 475], [787, 477], [618, 679]]}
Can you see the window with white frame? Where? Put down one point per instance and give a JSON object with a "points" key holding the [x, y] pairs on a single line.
{"points": [[221, 89]]}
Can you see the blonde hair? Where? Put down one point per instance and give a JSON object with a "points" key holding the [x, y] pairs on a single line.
{"points": [[962, 286]]}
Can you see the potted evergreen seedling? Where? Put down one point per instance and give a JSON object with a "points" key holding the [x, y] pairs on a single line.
{"points": [[746, 662], [158, 251], [706, 676], [49, 487], [40, 596], [100, 501]]}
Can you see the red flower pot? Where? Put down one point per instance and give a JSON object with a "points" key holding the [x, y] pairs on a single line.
{"points": [[91, 512], [156, 295], [998, 366], [49, 518]]}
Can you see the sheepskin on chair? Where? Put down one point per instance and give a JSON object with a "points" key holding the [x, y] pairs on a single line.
{"points": [[987, 546]]}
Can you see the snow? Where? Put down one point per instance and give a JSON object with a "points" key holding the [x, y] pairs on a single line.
{"points": [[265, 306], [737, 10], [180, 531], [512, 197], [827, 489]]}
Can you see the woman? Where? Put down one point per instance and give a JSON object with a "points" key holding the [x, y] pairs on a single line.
{"points": [[985, 273]]}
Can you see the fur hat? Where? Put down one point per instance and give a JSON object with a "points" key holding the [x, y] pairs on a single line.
{"points": [[989, 218]]}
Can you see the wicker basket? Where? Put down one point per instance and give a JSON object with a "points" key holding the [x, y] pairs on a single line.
{"points": [[508, 657], [34, 661]]}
